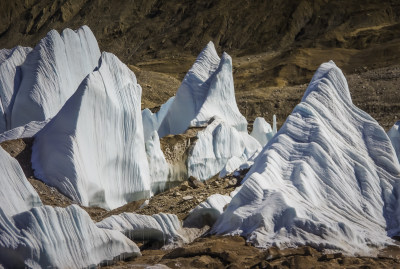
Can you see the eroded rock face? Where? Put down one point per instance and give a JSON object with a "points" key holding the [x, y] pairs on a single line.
{"points": [[177, 149], [328, 178]]}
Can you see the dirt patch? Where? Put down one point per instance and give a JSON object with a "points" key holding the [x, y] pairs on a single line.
{"points": [[172, 201]]}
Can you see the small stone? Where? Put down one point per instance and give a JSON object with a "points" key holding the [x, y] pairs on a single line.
{"points": [[195, 183], [232, 182], [187, 198], [327, 257], [184, 186], [177, 194]]}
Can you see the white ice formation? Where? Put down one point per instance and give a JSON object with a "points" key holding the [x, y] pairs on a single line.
{"points": [[28, 130], [37, 236], [47, 237], [159, 169], [152, 121], [10, 79], [159, 227], [394, 135], [207, 91], [262, 130], [207, 212], [329, 178], [52, 72], [215, 146], [206, 97], [16, 193], [93, 149]]}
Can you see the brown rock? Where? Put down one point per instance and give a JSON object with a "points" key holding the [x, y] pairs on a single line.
{"points": [[195, 183], [184, 186]]}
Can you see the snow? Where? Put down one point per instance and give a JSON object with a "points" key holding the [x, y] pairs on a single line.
{"points": [[207, 91], [215, 146], [328, 179], [16, 193], [159, 227], [93, 150], [52, 72], [10, 78], [47, 237], [207, 212], [28, 130], [262, 130], [394, 135]]}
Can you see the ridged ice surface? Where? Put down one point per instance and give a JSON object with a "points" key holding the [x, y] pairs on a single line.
{"points": [[206, 91], [152, 121], [208, 211], [394, 135], [28, 130], [262, 130], [52, 72], [47, 237], [158, 166], [159, 227], [215, 146], [93, 150], [329, 178], [10, 79], [16, 193]]}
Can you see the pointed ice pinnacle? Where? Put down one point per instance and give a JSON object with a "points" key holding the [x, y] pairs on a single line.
{"points": [[93, 149], [329, 178], [52, 72], [207, 91], [262, 130]]}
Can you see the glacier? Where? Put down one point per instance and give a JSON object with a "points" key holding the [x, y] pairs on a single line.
{"points": [[16, 193], [59, 237], [262, 130], [165, 228], [28, 130], [152, 121], [158, 166], [215, 146], [206, 91], [93, 150], [37, 236], [207, 212], [52, 72], [206, 98], [394, 135], [329, 178], [10, 79]]}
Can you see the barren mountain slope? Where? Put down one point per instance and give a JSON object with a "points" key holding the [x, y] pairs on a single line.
{"points": [[275, 44]]}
